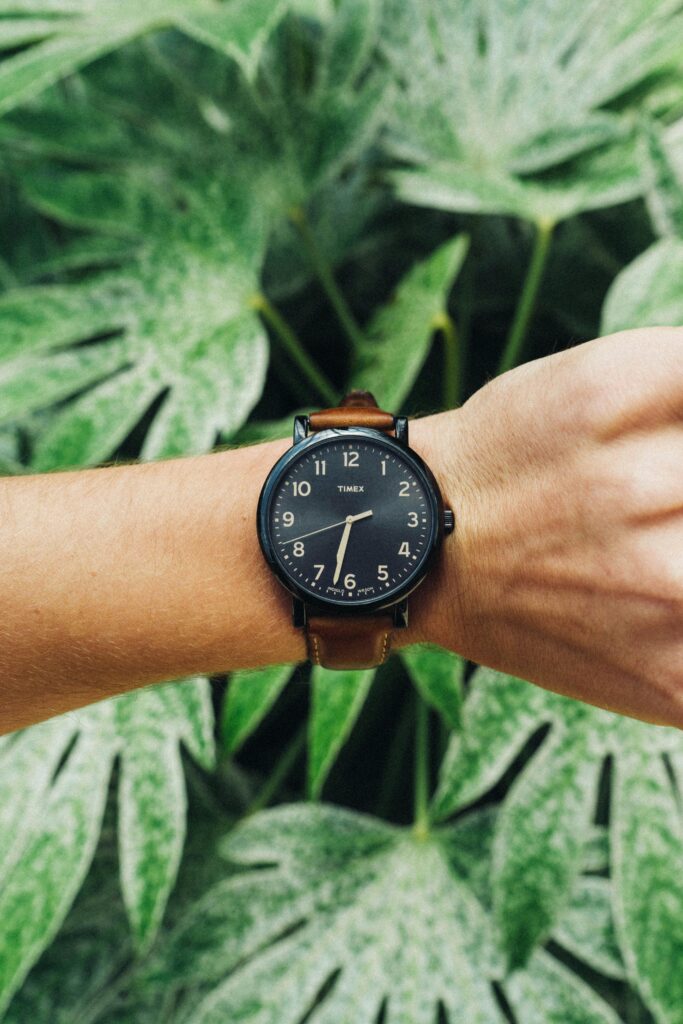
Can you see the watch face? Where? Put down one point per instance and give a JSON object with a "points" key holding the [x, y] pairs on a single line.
{"points": [[349, 519]]}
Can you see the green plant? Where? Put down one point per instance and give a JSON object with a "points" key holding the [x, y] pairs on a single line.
{"points": [[216, 213]]}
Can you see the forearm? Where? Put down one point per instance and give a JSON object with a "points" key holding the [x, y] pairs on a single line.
{"points": [[114, 578]]}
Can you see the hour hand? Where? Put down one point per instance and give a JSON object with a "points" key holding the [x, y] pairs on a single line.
{"points": [[361, 515]]}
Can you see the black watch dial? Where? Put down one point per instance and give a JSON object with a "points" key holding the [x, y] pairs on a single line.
{"points": [[351, 521]]}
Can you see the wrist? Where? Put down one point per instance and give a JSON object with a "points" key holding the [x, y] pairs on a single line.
{"points": [[438, 612]]}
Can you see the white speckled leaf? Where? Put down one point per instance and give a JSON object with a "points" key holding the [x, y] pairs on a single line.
{"points": [[548, 809], [180, 313], [251, 694], [664, 183], [57, 820], [542, 828], [499, 714], [337, 699], [377, 910], [28, 761], [647, 871], [547, 993], [593, 181], [36, 895], [71, 33], [438, 675], [400, 332], [152, 800], [494, 93], [586, 927], [647, 293]]}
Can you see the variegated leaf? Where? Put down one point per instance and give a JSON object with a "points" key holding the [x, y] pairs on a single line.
{"points": [[57, 818], [470, 117]]}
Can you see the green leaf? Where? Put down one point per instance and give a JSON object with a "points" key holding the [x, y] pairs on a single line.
{"points": [[184, 334], [547, 993], [151, 795], [545, 819], [251, 694], [647, 293], [542, 829], [51, 851], [586, 927], [67, 35], [239, 28], [54, 862], [377, 912], [337, 700], [400, 333], [494, 97], [647, 867], [664, 183], [438, 675], [301, 123], [499, 713], [609, 177]]}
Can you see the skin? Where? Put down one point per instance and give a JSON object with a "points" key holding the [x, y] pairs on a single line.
{"points": [[566, 566]]}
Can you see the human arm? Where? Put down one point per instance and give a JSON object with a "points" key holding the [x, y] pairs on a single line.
{"points": [[566, 567]]}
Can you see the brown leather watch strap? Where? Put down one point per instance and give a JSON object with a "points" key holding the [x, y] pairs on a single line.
{"points": [[350, 641], [357, 409]]}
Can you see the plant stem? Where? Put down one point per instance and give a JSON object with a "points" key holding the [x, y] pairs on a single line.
{"points": [[421, 821], [452, 370], [277, 777], [294, 349], [527, 300], [322, 268]]}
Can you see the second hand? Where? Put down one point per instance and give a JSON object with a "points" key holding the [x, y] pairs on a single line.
{"points": [[342, 522]]}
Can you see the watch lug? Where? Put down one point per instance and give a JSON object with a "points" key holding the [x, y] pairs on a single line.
{"points": [[298, 613], [400, 614], [300, 429], [401, 429]]}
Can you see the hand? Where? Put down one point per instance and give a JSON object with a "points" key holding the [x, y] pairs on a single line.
{"points": [[341, 550], [322, 529], [566, 566]]}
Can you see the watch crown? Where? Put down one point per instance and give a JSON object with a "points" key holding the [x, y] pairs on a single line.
{"points": [[448, 520]]}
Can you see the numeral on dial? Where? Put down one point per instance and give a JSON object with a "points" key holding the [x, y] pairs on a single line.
{"points": [[321, 568], [382, 573], [301, 488], [350, 458], [288, 519], [412, 519], [404, 549], [383, 464], [320, 467], [349, 581], [404, 489], [298, 549]]}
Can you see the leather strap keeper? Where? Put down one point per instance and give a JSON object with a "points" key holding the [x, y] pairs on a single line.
{"points": [[350, 641]]}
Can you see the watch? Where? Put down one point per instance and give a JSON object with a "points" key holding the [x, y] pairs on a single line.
{"points": [[350, 520]]}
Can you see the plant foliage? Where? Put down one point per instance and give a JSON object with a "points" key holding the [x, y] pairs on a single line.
{"points": [[220, 213]]}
